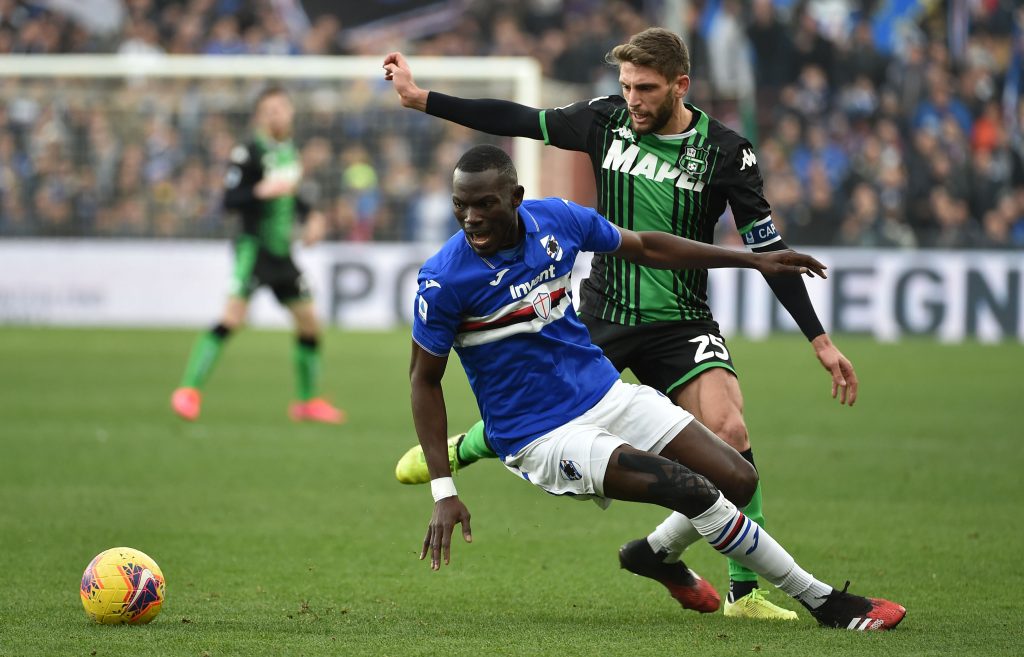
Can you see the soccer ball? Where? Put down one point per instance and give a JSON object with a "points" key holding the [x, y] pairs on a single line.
{"points": [[122, 585]]}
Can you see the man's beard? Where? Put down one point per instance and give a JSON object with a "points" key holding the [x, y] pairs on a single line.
{"points": [[661, 116]]}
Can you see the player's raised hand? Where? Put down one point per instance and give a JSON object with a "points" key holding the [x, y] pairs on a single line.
{"points": [[776, 263], [844, 379], [448, 512], [396, 69]]}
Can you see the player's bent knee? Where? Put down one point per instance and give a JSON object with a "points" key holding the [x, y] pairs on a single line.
{"points": [[642, 477], [693, 498], [734, 432], [741, 485]]}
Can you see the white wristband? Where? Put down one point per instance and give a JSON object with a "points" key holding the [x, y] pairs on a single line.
{"points": [[442, 487]]}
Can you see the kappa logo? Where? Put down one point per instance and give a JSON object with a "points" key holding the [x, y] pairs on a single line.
{"points": [[570, 470], [749, 159], [551, 247], [542, 305], [497, 279], [625, 133]]}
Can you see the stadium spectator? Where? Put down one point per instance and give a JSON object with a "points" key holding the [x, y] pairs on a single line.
{"points": [[225, 39], [729, 60], [141, 39], [903, 115]]}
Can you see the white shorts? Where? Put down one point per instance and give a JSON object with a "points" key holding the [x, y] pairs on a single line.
{"points": [[572, 459]]}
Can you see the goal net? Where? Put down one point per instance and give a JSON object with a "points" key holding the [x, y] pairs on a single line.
{"points": [[137, 146]]}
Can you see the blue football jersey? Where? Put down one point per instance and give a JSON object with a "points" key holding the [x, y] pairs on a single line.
{"points": [[529, 359]]}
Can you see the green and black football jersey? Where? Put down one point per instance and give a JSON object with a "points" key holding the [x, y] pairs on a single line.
{"points": [[269, 222], [678, 184]]}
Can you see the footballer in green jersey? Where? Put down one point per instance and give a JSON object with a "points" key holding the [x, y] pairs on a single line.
{"points": [[260, 187], [659, 164]]}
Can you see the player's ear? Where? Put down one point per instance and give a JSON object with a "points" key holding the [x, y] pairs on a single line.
{"points": [[682, 86], [517, 195]]}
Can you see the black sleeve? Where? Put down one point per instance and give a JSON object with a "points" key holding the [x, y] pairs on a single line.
{"points": [[495, 117], [752, 214], [744, 188], [572, 127], [568, 127], [792, 294], [245, 170]]}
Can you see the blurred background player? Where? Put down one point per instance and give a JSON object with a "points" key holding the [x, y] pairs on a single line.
{"points": [[660, 164], [260, 186]]}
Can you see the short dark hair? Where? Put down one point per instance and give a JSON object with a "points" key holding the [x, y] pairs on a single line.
{"points": [[486, 157], [655, 48], [268, 92]]}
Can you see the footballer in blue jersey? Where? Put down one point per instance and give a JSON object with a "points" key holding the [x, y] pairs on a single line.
{"points": [[509, 313], [554, 407]]}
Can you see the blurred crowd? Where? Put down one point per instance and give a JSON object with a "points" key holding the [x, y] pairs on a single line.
{"points": [[870, 130]]}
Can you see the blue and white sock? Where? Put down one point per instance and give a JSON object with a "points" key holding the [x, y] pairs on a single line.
{"points": [[739, 538]]}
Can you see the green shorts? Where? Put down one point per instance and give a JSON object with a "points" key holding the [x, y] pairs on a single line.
{"points": [[664, 356], [255, 267]]}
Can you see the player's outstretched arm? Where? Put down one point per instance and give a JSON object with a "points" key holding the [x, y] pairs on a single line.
{"points": [[665, 251], [495, 117], [431, 419]]}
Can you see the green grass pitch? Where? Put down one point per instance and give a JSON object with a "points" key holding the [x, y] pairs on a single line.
{"points": [[279, 539]]}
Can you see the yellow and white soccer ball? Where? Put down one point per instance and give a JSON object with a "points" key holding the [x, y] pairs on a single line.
{"points": [[122, 585]]}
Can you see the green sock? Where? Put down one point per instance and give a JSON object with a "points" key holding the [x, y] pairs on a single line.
{"points": [[473, 447], [202, 359], [307, 367], [738, 573]]}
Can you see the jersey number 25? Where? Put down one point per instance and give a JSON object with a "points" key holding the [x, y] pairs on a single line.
{"points": [[717, 348]]}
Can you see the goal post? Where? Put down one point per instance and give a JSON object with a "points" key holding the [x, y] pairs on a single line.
{"points": [[66, 103]]}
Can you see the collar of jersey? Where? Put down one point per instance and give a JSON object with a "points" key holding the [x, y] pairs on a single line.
{"points": [[697, 114], [524, 249]]}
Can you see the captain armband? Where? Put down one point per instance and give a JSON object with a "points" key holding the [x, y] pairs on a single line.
{"points": [[759, 234]]}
